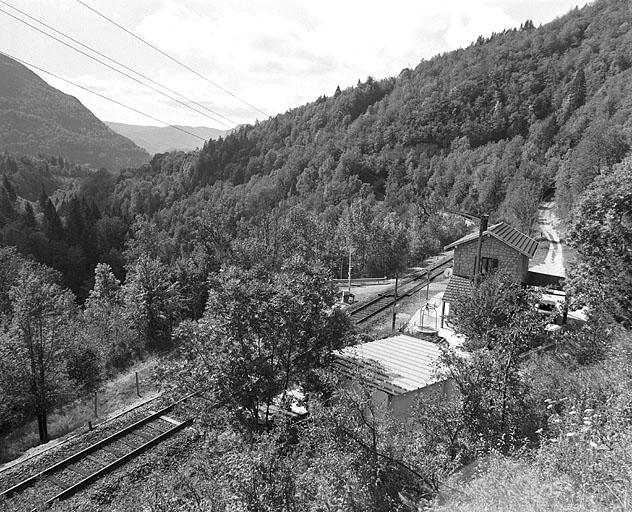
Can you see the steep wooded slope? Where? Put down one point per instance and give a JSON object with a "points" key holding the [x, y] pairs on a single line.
{"points": [[36, 118], [490, 128], [468, 128]]}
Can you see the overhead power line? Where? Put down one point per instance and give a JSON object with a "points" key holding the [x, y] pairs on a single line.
{"points": [[171, 57], [101, 95], [63, 34], [113, 68]]}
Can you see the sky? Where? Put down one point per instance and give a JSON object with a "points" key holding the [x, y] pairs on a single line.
{"points": [[270, 54]]}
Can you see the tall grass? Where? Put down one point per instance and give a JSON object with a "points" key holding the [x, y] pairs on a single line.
{"points": [[584, 462]]}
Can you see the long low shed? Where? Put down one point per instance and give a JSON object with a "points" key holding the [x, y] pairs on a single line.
{"points": [[399, 369]]}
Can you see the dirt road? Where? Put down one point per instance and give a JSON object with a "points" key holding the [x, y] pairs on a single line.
{"points": [[554, 261]]}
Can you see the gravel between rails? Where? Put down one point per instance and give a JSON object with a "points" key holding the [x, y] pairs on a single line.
{"points": [[30, 467], [106, 494], [103, 494]]}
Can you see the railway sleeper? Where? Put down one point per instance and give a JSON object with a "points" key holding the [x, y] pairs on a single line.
{"points": [[101, 458], [141, 438], [81, 470], [154, 429], [115, 451], [144, 435], [57, 482]]}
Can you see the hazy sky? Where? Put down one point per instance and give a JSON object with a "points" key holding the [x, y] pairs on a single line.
{"points": [[275, 54]]}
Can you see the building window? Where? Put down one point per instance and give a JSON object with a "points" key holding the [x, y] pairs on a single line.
{"points": [[489, 265]]}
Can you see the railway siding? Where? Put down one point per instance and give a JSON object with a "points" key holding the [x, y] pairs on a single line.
{"points": [[368, 309], [58, 475]]}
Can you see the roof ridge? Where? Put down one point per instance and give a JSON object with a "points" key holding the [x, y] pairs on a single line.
{"points": [[526, 245]]}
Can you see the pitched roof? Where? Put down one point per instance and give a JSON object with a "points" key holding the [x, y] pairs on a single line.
{"points": [[457, 286], [394, 365], [506, 234]]}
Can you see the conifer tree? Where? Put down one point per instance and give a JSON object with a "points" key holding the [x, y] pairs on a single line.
{"points": [[28, 216], [7, 211], [577, 93], [51, 223], [9, 187]]}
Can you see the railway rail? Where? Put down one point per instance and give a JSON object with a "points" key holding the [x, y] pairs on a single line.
{"points": [[74, 473], [411, 285]]}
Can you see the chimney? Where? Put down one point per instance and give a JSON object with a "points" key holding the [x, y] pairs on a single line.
{"points": [[484, 222]]}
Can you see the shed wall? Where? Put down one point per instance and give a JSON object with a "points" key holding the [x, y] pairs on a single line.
{"points": [[402, 404]]}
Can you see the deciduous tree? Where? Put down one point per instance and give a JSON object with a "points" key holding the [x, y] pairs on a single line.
{"points": [[42, 312], [601, 232], [262, 334]]}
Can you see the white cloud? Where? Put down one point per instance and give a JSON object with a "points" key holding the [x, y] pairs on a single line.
{"points": [[276, 54]]}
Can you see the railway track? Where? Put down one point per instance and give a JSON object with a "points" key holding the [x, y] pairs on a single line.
{"points": [[74, 473], [364, 311]]}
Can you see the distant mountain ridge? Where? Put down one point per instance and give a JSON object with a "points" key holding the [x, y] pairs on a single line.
{"points": [[158, 139], [36, 118]]}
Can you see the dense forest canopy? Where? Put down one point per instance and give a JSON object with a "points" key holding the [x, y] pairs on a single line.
{"points": [[372, 169], [490, 128]]}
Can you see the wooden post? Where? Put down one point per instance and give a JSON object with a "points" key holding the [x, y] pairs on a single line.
{"points": [[395, 303], [567, 300], [137, 385], [89, 425], [442, 312], [95, 404]]}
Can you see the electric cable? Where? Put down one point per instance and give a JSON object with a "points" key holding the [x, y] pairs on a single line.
{"points": [[101, 95], [171, 57], [114, 69], [113, 60]]}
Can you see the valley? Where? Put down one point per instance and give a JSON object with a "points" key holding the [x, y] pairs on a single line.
{"points": [[156, 139], [191, 278]]}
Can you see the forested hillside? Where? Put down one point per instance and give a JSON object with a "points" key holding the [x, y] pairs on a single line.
{"points": [[57, 213], [36, 118], [372, 169], [489, 128]]}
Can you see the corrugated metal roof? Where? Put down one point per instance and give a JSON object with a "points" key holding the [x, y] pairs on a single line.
{"points": [[506, 234], [457, 286], [394, 365], [511, 236]]}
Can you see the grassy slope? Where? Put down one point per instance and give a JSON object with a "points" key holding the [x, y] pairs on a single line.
{"points": [[115, 395]]}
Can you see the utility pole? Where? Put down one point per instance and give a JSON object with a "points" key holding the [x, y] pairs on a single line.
{"points": [[483, 221], [349, 270], [478, 262], [427, 285], [395, 303]]}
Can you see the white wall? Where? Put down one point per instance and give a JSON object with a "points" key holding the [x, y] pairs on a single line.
{"points": [[401, 404]]}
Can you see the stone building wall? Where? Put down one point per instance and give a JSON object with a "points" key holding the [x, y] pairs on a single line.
{"points": [[509, 260]]}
